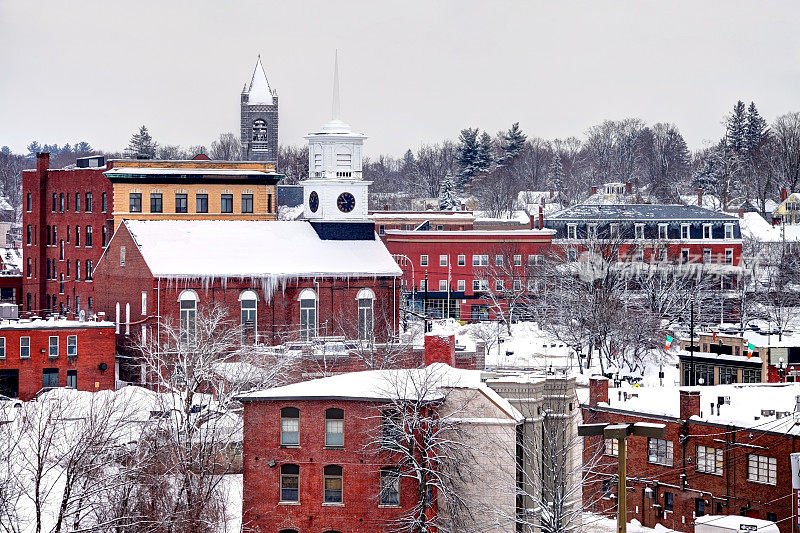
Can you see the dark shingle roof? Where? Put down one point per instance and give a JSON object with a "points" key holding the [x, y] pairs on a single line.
{"points": [[637, 212]]}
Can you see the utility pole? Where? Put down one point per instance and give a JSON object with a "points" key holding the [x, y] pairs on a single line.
{"points": [[621, 433], [692, 379]]}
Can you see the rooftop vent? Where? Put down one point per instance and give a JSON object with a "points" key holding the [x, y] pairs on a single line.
{"points": [[768, 412], [94, 161]]}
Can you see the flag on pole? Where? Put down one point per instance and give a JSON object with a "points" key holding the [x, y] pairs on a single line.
{"points": [[668, 344], [750, 349]]}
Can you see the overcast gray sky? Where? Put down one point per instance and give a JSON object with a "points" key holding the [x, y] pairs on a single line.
{"points": [[412, 72]]}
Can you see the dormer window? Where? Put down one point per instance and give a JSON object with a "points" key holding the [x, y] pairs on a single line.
{"points": [[684, 231], [728, 231], [706, 231]]}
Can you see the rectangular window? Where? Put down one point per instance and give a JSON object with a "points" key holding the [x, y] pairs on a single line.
{"points": [[728, 256], [181, 203], [332, 478], [122, 256], [156, 203], [77, 202], [49, 377], [247, 203], [707, 255], [442, 284], [614, 230], [290, 426], [2, 347], [639, 228], [480, 260], [72, 345], [24, 347], [88, 202], [707, 231], [381, 229], [202, 203], [72, 379], [29, 203], [55, 202], [462, 260], [462, 285], [334, 429], [517, 285], [572, 231], [144, 302], [591, 231], [29, 237], [699, 507], [53, 346], [390, 487], [659, 451], [761, 469], [685, 256], [607, 488], [290, 483], [423, 260], [517, 260], [88, 270], [135, 202], [728, 232], [534, 260], [572, 255], [499, 286], [104, 202], [269, 203], [709, 460], [443, 260], [684, 231], [226, 203], [88, 236], [423, 286], [669, 501], [498, 260], [612, 447]]}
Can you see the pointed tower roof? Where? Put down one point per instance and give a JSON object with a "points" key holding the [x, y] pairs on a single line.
{"points": [[260, 92], [336, 125]]}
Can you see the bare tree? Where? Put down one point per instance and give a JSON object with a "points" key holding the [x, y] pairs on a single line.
{"points": [[786, 133], [507, 283], [433, 163], [293, 163], [227, 148]]}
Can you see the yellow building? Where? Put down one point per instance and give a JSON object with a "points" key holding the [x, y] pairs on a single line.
{"points": [[199, 189], [788, 212]]}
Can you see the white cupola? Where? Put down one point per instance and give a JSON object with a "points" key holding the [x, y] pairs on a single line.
{"points": [[334, 189]]}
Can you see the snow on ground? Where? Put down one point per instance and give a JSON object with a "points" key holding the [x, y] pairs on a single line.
{"points": [[593, 523], [232, 488]]}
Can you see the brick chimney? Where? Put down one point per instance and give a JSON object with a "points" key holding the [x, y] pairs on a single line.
{"points": [[463, 206], [628, 187], [440, 349], [531, 222], [42, 162], [552, 193], [784, 194], [594, 189], [598, 390], [741, 212], [385, 207], [690, 404], [541, 218], [700, 197]]}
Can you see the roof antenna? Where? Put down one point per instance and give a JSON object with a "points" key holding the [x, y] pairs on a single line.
{"points": [[336, 103]]}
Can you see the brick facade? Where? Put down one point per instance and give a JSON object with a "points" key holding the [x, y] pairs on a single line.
{"points": [[49, 228], [725, 489], [24, 375]]}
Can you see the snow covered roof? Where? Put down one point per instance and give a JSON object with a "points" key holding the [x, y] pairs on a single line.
{"points": [[755, 227], [385, 385], [154, 171], [637, 212], [733, 523], [744, 410], [53, 324], [4, 205], [476, 232], [11, 258], [267, 250], [259, 90], [423, 215]]}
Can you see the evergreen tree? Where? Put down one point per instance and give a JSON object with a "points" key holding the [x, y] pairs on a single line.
{"points": [[512, 143], [467, 156], [755, 128], [485, 155], [447, 195], [82, 147], [736, 128], [33, 148], [5, 150], [142, 143], [556, 173]]}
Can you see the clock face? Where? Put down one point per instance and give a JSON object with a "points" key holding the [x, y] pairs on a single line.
{"points": [[313, 201], [346, 202]]}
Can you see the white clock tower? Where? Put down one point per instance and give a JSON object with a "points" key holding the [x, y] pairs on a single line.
{"points": [[334, 190]]}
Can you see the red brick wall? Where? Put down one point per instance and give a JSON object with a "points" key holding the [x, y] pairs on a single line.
{"points": [[440, 349], [41, 184], [361, 469], [95, 346], [732, 490]]}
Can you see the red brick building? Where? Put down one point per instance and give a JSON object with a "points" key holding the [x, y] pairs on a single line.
{"points": [[35, 354], [314, 458], [726, 452], [281, 279], [67, 222], [447, 273]]}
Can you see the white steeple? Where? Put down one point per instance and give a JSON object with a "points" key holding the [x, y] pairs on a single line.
{"points": [[334, 189], [259, 90]]}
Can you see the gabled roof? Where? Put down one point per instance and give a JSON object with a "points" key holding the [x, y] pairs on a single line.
{"points": [[259, 90], [640, 212], [269, 251]]}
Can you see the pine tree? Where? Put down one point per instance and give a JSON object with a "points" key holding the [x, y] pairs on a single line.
{"points": [[736, 128], [33, 148], [142, 143], [467, 155], [556, 173], [447, 195], [755, 128], [512, 143], [82, 147], [485, 155]]}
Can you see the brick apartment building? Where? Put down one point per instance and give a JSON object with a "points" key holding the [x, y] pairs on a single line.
{"points": [[319, 455], [35, 354], [67, 222], [726, 452]]}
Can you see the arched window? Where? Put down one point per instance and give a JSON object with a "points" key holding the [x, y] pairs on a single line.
{"points": [[247, 302], [260, 130], [290, 483], [188, 306], [127, 318], [116, 321], [308, 314], [365, 300], [290, 426], [334, 428], [333, 484]]}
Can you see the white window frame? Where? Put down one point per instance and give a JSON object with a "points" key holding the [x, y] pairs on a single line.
{"points": [[480, 260], [308, 315], [462, 285], [707, 257], [686, 255], [50, 352], [499, 285], [517, 260], [499, 260], [639, 231], [591, 231], [728, 256], [365, 302], [663, 231], [572, 231], [24, 342], [611, 447], [462, 260], [668, 458], [613, 231], [707, 231], [423, 260], [709, 460], [188, 315], [728, 232], [686, 232], [248, 296], [534, 259], [442, 260], [443, 285], [765, 470], [72, 345], [122, 256], [144, 302], [2, 347], [517, 285]]}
